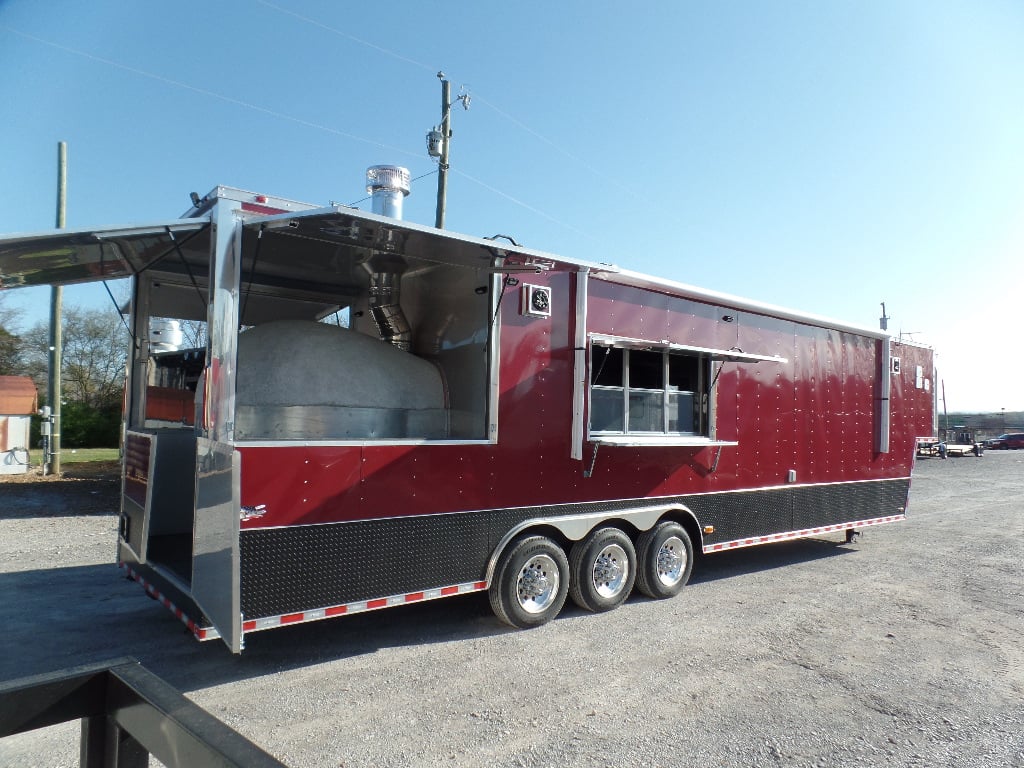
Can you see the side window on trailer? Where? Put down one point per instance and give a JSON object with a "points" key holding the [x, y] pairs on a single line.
{"points": [[648, 391]]}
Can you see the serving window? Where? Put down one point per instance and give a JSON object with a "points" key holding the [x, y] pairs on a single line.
{"points": [[650, 391], [645, 393]]}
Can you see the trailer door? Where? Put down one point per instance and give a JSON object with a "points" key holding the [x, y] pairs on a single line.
{"points": [[215, 580], [215, 567]]}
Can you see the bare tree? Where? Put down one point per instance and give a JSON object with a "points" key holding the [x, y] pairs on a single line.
{"points": [[193, 334], [11, 344], [95, 352]]}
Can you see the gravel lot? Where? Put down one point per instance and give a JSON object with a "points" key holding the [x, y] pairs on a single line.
{"points": [[903, 649]]}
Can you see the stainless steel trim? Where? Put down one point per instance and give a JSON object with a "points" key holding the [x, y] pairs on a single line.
{"points": [[579, 371], [638, 280], [215, 586], [384, 442], [102, 233], [222, 328], [138, 354], [885, 392], [494, 361], [728, 355], [304, 422], [215, 555], [640, 439]]}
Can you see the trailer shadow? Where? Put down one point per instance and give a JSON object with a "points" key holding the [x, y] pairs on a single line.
{"points": [[750, 560], [30, 496], [66, 616]]}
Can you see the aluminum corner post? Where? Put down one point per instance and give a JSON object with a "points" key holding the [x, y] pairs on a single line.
{"points": [[215, 566], [580, 380], [884, 396]]}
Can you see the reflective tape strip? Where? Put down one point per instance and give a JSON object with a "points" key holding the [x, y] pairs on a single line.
{"points": [[269, 622], [789, 535], [201, 633], [316, 614]]}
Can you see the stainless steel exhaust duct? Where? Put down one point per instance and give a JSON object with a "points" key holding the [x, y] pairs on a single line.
{"points": [[385, 300], [389, 185]]}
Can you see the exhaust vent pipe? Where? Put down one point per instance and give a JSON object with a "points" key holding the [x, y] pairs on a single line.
{"points": [[385, 297], [165, 335], [389, 185]]}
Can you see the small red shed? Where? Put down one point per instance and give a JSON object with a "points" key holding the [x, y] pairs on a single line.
{"points": [[18, 401]]}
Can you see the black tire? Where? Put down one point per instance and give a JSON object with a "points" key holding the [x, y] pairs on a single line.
{"points": [[530, 582], [602, 570], [665, 555]]}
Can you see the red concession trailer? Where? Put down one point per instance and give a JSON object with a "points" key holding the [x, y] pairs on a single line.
{"points": [[489, 418]]}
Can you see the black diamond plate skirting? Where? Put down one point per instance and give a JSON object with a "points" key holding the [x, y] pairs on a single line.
{"points": [[292, 569]]}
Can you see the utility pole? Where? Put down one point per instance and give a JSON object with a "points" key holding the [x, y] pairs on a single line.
{"points": [[439, 143], [51, 463], [446, 136]]}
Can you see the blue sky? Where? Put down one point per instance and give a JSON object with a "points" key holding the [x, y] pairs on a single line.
{"points": [[820, 156]]}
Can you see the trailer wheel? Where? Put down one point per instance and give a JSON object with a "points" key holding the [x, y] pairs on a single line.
{"points": [[666, 560], [530, 582], [602, 568]]}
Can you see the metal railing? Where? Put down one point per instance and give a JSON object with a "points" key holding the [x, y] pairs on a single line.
{"points": [[127, 714]]}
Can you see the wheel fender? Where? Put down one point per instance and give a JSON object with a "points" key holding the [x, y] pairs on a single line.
{"points": [[576, 527]]}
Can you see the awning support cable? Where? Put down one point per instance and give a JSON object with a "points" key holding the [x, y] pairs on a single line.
{"points": [[175, 247], [114, 301], [593, 460], [252, 274], [188, 269]]}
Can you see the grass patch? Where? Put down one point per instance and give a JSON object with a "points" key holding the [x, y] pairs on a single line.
{"points": [[83, 455]]}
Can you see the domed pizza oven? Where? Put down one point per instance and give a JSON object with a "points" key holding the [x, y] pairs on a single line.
{"points": [[306, 380]]}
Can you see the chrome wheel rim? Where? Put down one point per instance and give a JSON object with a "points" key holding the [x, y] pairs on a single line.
{"points": [[671, 561], [611, 570], [537, 585]]}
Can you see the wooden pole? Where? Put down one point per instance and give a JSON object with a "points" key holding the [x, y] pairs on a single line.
{"points": [[51, 463]]}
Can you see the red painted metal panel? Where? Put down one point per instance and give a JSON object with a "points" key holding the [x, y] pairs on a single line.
{"points": [[300, 485], [168, 404], [136, 467], [642, 314], [912, 397], [815, 414], [764, 414]]}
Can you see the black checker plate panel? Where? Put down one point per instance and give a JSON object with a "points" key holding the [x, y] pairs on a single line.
{"points": [[286, 570], [818, 505], [738, 515]]}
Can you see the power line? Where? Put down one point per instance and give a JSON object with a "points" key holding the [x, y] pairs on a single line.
{"points": [[411, 181], [347, 36], [515, 121], [597, 172], [527, 206], [318, 126], [212, 94]]}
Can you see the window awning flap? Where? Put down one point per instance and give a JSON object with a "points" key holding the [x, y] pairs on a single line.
{"points": [[355, 232], [725, 355], [64, 256], [658, 440]]}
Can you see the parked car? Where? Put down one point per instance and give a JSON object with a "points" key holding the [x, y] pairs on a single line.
{"points": [[1009, 440]]}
